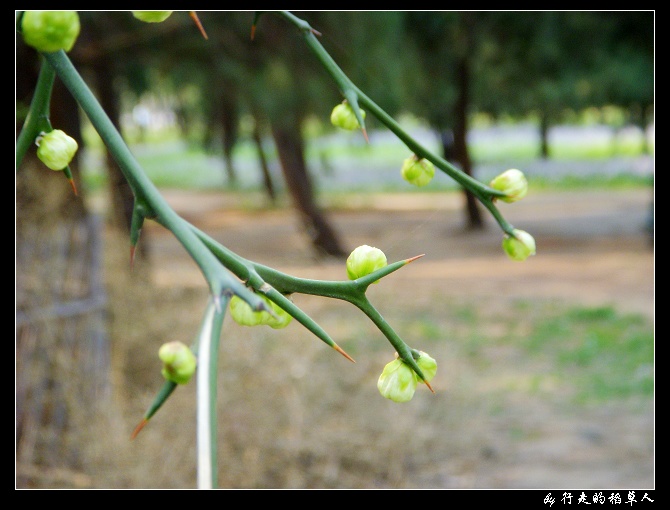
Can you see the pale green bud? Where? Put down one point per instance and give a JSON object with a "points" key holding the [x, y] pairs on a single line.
{"points": [[179, 362], [152, 16], [50, 31], [343, 116], [242, 313], [513, 183], [365, 260], [427, 365], [397, 381], [282, 319], [56, 149], [418, 172], [519, 247]]}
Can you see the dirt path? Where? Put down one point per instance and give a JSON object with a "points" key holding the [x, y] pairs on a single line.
{"points": [[593, 247]]}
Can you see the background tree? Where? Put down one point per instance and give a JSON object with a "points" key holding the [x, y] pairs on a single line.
{"points": [[442, 66], [623, 69], [547, 64], [447, 44], [283, 91]]}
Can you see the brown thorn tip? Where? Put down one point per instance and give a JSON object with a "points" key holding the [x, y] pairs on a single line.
{"points": [[74, 186], [429, 386], [196, 20], [253, 31], [139, 427], [365, 135], [341, 351], [132, 255], [315, 32], [412, 259]]}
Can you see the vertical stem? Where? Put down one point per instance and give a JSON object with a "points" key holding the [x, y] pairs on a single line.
{"points": [[208, 347]]}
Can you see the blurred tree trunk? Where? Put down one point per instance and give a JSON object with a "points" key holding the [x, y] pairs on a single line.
{"points": [[544, 135], [229, 119], [60, 345], [474, 220], [289, 143], [446, 137], [642, 117], [268, 185]]}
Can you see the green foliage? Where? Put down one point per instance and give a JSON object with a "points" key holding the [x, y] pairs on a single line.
{"points": [[598, 181]]}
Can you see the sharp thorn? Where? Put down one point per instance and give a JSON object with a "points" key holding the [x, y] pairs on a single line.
{"points": [[253, 31], [429, 386], [341, 351], [196, 20], [412, 259], [74, 186], [365, 135], [139, 427], [315, 32], [132, 256]]}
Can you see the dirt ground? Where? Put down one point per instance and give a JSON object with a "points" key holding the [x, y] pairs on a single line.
{"points": [[294, 414]]}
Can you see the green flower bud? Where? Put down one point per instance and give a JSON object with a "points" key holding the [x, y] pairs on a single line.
{"points": [[56, 149], [397, 381], [365, 260], [242, 313], [179, 362], [152, 16], [418, 172], [50, 31], [343, 116], [519, 247], [282, 319], [513, 183], [427, 365]]}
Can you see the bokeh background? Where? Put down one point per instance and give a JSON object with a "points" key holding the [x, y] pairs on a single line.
{"points": [[546, 368]]}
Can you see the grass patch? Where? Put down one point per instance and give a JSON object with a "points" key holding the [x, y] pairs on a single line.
{"points": [[344, 162], [600, 353], [586, 355], [595, 181]]}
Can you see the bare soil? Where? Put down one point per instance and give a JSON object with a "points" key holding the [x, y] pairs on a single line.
{"points": [[295, 414]]}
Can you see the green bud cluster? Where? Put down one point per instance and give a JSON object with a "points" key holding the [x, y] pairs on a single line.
{"points": [[398, 381], [56, 149], [519, 246], [152, 16], [242, 313], [417, 171], [50, 31], [343, 116], [365, 260], [427, 365], [513, 183], [179, 362]]}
